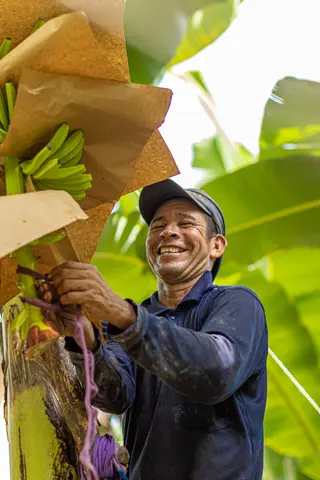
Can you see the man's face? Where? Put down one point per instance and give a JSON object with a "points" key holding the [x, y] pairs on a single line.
{"points": [[178, 248]]}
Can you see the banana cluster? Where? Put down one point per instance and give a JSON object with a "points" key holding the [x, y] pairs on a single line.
{"points": [[57, 167]]}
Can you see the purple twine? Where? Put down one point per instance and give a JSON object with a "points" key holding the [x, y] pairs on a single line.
{"points": [[91, 390], [32, 273], [104, 457], [36, 302]]}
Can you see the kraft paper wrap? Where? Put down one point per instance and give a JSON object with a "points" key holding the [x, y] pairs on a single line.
{"points": [[82, 50], [70, 35]]}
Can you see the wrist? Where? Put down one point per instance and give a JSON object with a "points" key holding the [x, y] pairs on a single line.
{"points": [[128, 317]]}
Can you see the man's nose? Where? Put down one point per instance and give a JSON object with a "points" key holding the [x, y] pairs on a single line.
{"points": [[169, 231]]}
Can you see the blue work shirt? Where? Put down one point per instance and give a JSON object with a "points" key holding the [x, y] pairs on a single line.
{"points": [[194, 379]]}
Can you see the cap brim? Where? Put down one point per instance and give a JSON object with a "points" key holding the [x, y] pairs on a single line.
{"points": [[153, 196]]}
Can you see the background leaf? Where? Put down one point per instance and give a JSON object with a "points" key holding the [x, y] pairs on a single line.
{"points": [[267, 210], [291, 123], [154, 31]]}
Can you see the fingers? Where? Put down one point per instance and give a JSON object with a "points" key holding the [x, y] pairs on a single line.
{"points": [[74, 298], [74, 266], [71, 285]]}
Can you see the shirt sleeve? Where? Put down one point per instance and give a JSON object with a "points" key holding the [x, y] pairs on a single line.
{"points": [[206, 366], [114, 375]]}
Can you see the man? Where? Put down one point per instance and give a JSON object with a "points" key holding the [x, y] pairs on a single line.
{"points": [[190, 362]]}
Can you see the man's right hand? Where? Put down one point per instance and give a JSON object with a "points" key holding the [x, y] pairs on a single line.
{"points": [[66, 323]]}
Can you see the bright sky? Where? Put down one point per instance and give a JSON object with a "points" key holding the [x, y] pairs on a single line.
{"points": [[269, 40]]}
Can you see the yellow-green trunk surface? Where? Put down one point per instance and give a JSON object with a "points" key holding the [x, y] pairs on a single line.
{"points": [[44, 411]]}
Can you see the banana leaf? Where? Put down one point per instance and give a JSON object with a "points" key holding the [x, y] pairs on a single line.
{"points": [[269, 206], [291, 123], [291, 423], [297, 270], [277, 467], [218, 157], [157, 32]]}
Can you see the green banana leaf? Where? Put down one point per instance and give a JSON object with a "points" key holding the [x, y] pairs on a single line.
{"points": [[154, 31], [291, 123], [218, 157], [268, 206], [291, 423], [204, 28], [298, 272], [277, 467]]}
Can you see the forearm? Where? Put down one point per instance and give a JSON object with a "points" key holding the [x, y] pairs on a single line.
{"points": [[200, 366]]}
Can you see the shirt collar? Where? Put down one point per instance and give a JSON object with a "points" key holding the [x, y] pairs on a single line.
{"points": [[203, 285]]}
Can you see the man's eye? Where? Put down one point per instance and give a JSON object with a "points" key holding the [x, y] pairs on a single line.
{"points": [[185, 224], [156, 227]]}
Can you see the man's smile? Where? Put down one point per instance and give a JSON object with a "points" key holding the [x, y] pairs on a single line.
{"points": [[170, 250]]}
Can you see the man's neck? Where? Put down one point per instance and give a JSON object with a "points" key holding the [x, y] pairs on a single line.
{"points": [[170, 295]]}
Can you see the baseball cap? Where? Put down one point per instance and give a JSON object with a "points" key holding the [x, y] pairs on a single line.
{"points": [[153, 196]]}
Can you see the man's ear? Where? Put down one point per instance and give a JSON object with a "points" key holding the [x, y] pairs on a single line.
{"points": [[218, 245]]}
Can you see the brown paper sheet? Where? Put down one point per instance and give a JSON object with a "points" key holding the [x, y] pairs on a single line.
{"points": [[27, 217], [17, 18], [154, 164], [117, 120]]}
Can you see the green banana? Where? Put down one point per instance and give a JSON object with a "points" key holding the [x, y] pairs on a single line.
{"points": [[55, 143], [78, 192], [2, 135], [78, 196], [11, 98], [37, 25], [49, 166], [74, 179], [74, 161], [73, 153], [5, 47], [25, 165], [64, 172], [3, 112], [43, 185], [50, 238], [70, 144]]}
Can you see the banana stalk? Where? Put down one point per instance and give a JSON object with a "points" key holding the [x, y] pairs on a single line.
{"points": [[44, 411]]}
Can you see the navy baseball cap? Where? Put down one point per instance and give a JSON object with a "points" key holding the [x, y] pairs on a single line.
{"points": [[153, 196]]}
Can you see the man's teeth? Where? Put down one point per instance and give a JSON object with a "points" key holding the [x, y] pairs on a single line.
{"points": [[170, 250]]}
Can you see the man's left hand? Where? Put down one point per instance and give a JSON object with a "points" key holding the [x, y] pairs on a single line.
{"points": [[81, 284]]}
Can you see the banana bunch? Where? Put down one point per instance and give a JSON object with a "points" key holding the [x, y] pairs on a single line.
{"points": [[57, 167]]}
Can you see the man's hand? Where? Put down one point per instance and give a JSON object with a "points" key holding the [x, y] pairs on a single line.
{"points": [[81, 284]]}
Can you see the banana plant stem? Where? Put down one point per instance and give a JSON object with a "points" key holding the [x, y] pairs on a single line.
{"points": [[24, 256]]}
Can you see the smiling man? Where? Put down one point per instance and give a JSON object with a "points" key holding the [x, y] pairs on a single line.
{"points": [[190, 362]]}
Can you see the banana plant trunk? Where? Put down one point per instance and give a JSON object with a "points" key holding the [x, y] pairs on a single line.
{"points": [[44, 409]]}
